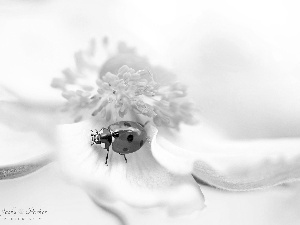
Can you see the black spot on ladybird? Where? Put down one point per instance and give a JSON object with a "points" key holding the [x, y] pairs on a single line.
{"points": [[141, 143], [127, 124], [125, 149], [130, 138]]}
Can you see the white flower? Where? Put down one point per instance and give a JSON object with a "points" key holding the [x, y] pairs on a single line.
{"points": [[160, 173], [128, 95], [165, 171]]}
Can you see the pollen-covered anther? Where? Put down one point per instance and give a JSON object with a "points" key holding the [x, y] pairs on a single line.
{"points": [[58, 83], [128, 91], [123, 110], [68, 94], [110, 78], [145, 109]]}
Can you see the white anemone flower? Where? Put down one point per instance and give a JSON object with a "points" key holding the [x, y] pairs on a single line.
{"points": [[179, 155], [124, 95]]}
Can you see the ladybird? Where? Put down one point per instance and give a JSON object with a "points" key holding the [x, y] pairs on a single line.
{"points": [[124, 136]]}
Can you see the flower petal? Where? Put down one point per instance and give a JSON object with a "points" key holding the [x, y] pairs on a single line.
{"points": [[251, 171], [27, 136], [230, 165], [133, 216], [24, 167], [142, 182]]}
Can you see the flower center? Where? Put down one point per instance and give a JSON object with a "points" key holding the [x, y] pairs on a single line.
{"points": [[127, 93]]}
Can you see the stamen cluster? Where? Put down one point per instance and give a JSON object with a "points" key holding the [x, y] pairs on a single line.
{"points": [[128, 92]]}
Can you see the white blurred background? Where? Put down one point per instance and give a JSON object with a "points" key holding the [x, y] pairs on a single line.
{"points": [[239, 58]]}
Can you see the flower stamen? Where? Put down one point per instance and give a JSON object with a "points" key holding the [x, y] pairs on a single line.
{"points": [[127, 92]]}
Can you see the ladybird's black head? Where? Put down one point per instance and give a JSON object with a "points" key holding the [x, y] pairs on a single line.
{"points": [[103, 136]]}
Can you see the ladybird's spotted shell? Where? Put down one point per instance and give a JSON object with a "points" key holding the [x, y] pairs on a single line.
{"points": [[129, 136]]}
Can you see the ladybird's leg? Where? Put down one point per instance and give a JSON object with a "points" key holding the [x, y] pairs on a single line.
{"points": [[124, 157], [106, 157], [107, 144]]}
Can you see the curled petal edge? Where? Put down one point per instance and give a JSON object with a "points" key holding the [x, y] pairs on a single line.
{"points": [[259, 178], [236, 166], [24, 168]]}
